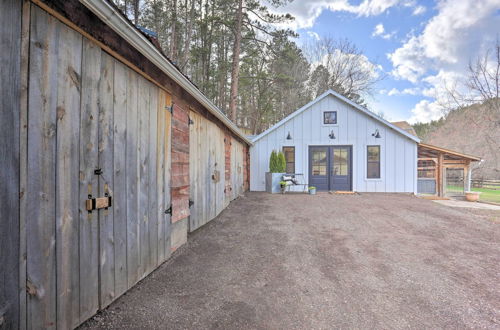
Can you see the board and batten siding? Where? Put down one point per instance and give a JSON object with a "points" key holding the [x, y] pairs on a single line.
{"points": [[89, 111], [398, 153], [214, 180]]}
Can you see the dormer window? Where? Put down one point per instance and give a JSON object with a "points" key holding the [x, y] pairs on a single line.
{"points": [[330, 117]]}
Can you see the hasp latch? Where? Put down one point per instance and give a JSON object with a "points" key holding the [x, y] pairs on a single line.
{"points": [[98, 203]]}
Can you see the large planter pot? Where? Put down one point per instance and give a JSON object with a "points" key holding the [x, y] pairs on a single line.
{"points": [[312, 191], [472, 196], [273, 182]]}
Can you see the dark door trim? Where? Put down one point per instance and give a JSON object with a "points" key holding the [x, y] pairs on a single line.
{"points": [[327, 182]]}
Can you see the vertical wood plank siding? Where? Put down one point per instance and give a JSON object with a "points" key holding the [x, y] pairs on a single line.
{"points": [[88, 112], [120, 116], [106, 184], [41, 182], [85, 111], [67, 172], [216, 169], [10, 108]]}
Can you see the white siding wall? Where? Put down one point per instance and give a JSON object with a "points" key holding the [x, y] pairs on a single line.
{"points": [[354, 128]]}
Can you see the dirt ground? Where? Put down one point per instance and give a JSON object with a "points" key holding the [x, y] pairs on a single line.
{"points": [[325, 261]]}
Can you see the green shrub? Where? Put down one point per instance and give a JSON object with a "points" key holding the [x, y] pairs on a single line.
{"points": [[281, 162], [273, 162]]}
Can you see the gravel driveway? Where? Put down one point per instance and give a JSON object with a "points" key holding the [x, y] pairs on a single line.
{"points": [[325, 261]]}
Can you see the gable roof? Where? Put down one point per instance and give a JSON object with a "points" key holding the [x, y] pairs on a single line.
{"points": [[431, 148], [345, 100], [135, 37]]}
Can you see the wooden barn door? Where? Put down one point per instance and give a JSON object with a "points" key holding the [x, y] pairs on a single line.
{"points": [[206, 170], [236, 169], [96, 129]]}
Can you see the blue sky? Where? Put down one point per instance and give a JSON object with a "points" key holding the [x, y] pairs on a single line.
{"points": [[421, 45]]}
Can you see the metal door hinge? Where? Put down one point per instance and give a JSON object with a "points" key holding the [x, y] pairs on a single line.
{"points": [[169, 210], [170, 108], [191, 203]]}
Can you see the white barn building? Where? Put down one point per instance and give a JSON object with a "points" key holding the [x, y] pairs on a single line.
{"points": [[338, 145]]}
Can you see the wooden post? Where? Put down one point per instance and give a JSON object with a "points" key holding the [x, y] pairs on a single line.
{"points": [[440, 174], [468, 172]]}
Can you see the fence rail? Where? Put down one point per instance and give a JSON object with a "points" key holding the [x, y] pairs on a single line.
{"points": [[488, 184]]}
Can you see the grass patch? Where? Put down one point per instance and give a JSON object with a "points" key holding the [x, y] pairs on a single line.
{"points": [[488, 195]]}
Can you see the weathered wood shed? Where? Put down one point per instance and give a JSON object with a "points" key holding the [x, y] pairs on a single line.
{"points": [[107, 151]]}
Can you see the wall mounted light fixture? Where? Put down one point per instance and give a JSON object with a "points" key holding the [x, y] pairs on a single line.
{"points": [[331, 135], [288, 137], [376, 134]]}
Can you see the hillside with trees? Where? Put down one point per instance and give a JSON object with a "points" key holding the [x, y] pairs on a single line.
{"points": [[467, 130], [472, 115], [241, 56]]}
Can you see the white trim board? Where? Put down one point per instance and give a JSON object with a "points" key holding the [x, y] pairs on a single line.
{"points": [[344, 99]]}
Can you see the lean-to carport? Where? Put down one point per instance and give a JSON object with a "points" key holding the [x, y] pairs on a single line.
{"points": [[442, 171]]}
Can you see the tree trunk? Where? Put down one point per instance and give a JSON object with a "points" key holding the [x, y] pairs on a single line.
{"points": [[189, 34], [136, 12], [235, 70], [173, 35]]}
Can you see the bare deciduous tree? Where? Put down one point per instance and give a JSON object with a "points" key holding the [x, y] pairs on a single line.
{"points": [[481, 86], [348, 70]]}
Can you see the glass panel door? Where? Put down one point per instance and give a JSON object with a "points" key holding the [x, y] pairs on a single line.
{"points": [[318, 167], [340, 176]]}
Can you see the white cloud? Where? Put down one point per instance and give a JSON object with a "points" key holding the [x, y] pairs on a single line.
{"points": [[439, 54], [425, 111], [313, 35], [307, 11], [419, 10], [379, 31], [372, 7], [406, 91], [449, 39]]}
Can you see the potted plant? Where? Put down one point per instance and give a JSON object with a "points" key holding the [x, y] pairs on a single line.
{"points": [[277, 166], [283, 186], [472, 196], [312, 190]]}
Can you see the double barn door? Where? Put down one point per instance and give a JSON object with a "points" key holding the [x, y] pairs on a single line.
{"points": [[96, 129], [330, 167]]}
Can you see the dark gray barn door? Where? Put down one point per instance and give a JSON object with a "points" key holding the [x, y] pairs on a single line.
{"points": [[340, 168], [319, 160], [330, 167], [96, 128]]}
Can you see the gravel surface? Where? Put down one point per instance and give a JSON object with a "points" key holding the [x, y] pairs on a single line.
{"points": [[325, 261]]}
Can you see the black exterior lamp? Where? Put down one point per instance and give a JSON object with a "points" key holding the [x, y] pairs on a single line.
{"points": [[376, 134], [289, 137], [332, 135]]}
